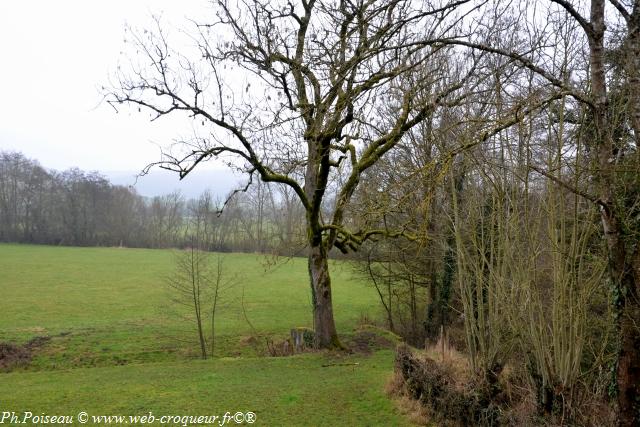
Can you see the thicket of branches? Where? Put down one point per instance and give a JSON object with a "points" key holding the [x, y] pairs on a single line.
{"points": [[527, 241]]}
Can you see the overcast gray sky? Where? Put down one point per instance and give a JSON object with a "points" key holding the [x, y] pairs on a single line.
{"points": [[55, 57]]}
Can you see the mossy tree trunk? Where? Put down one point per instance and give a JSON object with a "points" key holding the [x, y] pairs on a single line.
{"points": [[623, 276], [326, 335]]}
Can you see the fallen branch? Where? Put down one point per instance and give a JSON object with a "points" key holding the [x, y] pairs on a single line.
{"points": [[340, 364]]}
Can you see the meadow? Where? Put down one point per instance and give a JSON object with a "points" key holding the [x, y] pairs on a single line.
{"points": [[113, 344]]}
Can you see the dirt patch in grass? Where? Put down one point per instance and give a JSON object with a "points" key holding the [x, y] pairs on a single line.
{"points": [[368, 341], [14, 356]]}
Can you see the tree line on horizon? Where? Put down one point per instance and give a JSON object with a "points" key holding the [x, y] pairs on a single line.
{"points": [[78, 208]]}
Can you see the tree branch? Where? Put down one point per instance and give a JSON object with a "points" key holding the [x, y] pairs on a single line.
{"points": [[526, 62], [625, 14], [567, 186], [586, 25]]}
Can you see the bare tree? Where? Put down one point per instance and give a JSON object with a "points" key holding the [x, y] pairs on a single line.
{"points": [[165, 219], [197, 287], [189, 284], [303, 106]]}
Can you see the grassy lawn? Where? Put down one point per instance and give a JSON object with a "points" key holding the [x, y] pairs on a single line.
{"points": [[280, 391], [117, 349], [102, 305]]}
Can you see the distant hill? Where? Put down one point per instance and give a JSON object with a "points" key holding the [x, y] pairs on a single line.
{"points": [[160, 182]]}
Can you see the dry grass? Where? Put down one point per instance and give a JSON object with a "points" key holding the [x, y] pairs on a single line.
{"points": [[449, 358], [410, 408], [515, 401]]}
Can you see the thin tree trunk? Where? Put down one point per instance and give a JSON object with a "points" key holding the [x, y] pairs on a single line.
{"points": [[385, 304], [194, 272], [213, 319]]}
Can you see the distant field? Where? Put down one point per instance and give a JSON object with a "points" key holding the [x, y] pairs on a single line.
{"points": [[104, 307]]}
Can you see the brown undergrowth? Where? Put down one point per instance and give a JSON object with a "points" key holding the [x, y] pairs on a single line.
{"points": [[14, 356], [445, 387], [437, 387]]}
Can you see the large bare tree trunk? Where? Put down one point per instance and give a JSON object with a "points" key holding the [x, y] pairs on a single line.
{"points": [[623, 276], [324, 325], [628, 360]]}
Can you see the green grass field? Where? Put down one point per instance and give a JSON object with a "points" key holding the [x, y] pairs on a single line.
{"points": [[117, 348]]}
